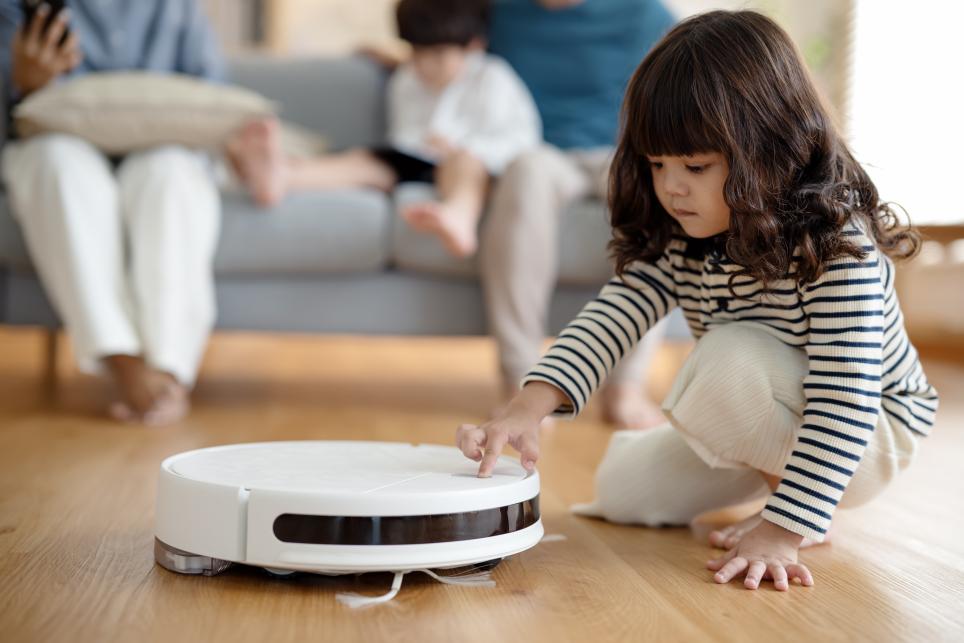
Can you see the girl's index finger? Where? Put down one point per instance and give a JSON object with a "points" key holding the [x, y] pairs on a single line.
{"points": [[493, 449]]}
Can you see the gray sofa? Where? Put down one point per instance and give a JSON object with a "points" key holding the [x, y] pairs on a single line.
{"points": [[336, 262]]}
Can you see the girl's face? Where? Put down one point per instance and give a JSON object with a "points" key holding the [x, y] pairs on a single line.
{"points": [[690, 189]]}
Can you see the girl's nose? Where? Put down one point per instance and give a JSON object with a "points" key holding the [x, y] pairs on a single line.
{"points": [[674, 185]]}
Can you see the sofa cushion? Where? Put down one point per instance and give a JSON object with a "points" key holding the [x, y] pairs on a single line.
{"points": [[583, 258], [311, 233]]}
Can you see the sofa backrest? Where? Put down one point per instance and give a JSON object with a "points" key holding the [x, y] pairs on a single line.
{"points": [[342, 98]]}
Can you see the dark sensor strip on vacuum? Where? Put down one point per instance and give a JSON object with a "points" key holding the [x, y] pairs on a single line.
{"points": [[405, 530]]}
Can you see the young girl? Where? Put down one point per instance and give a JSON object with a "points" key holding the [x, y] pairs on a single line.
{"points": [[734, 198]]}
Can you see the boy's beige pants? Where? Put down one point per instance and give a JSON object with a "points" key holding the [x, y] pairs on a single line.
{"points": [[735, 410]]}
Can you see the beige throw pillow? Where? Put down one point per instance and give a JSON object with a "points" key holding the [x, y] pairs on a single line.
{"points": [[120, 112]]}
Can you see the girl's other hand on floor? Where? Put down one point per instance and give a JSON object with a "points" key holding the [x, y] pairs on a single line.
{"points": [[768, 551]]}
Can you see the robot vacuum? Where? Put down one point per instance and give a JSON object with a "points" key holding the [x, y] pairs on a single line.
{"points": [[340, 507]]}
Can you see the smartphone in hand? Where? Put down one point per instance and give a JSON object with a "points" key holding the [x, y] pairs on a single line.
{"points": [[29, 8]]}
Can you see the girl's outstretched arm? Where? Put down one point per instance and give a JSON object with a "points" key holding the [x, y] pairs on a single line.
{"points": [[605, 330]]}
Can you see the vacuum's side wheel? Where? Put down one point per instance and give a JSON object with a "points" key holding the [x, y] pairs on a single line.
{"points": [[280, 573], [184, 562], [481, 567], [488, 565]]}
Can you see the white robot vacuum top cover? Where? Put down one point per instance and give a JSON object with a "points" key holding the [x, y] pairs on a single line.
{"points": [[340, 507]]}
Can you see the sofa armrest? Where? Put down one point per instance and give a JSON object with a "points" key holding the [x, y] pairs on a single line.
{"points": [[342, 98]]}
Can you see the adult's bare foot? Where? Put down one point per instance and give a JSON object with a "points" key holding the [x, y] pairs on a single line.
{"points": [[129, 373], [626, 407], [453, 223], [256, 154], [729, 537], [147, 395], [172, 400]]}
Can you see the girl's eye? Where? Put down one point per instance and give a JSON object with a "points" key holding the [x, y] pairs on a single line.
{"points": [[696, 169], [656, 165]]}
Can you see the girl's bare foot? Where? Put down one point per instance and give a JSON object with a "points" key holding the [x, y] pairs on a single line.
{"points": [[255, 153], [626, 407], [147, 395], [451, 222], [728, 537]]}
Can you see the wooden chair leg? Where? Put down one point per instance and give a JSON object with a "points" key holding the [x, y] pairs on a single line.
{"points": [[51, 347]]}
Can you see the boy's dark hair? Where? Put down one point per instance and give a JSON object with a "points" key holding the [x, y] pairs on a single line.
{"points": [[733, 83], [424, 23]]}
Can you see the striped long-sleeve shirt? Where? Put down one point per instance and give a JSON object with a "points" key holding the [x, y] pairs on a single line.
{"points": [[848, 322]]}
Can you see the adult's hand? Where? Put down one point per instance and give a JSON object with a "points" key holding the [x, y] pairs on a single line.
{"points": [[38, 55], [383, 56]]}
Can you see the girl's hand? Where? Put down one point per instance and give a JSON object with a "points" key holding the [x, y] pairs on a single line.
{"points": [[517, 425], [484, 443], [766, 551]]}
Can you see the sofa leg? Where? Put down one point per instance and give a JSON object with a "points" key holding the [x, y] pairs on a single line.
{"points": [[51, 347]]}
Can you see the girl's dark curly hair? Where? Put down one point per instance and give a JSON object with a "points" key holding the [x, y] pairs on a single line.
{"points": [[733, 83]]}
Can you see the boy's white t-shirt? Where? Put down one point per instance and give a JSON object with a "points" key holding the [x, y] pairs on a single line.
{"points": [[487, 110]]}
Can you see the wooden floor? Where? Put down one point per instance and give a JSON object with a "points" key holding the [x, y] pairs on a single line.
{"points": [[77, 498]]}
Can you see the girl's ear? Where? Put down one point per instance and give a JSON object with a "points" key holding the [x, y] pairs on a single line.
{"points": [[478, 44]]}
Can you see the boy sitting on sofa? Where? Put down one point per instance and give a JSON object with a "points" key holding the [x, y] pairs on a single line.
{"points": [[457, 117]]}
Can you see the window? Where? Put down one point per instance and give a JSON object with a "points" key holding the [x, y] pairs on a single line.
{"points": [[905, 115]]}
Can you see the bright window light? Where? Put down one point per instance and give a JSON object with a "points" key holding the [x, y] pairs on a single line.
{"points": [[906, 107]]}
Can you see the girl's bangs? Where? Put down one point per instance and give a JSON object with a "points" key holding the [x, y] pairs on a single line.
{"points": [[665, 116]]}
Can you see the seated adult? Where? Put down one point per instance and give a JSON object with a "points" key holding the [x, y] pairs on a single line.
{"points": [[123, 247], [576, 57]]}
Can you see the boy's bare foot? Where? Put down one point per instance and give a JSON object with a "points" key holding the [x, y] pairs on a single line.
{"points": [[256, 155], [147, 395], [728, 537], [453, 223], [625, 406]]}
